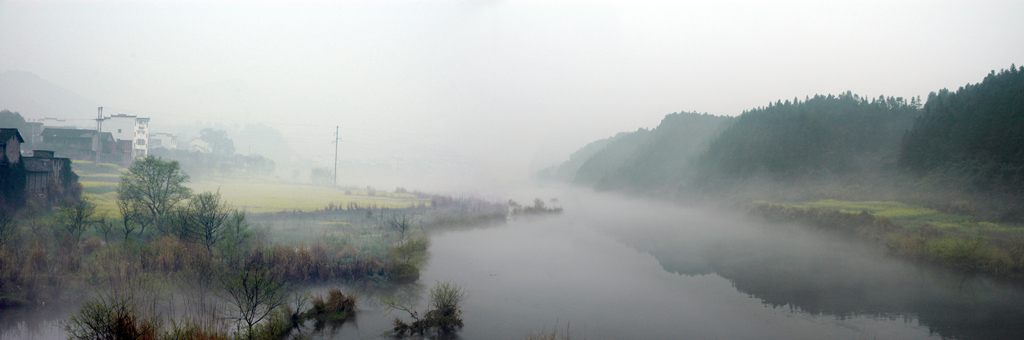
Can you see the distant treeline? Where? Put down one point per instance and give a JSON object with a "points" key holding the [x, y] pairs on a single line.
{"points": [[203, 165], [970, 142], [975, 134], [643, 159]]}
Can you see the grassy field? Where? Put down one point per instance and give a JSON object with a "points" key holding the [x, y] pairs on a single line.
{"points": [[260, 197], [963, 242], [912, 216], [99, 183]]}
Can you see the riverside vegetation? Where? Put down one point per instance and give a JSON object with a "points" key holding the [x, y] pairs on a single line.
{"points": [[938, 180], [224, 273], [962, 242]]}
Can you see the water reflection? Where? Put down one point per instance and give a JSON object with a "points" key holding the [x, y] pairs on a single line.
{"points": [[576, 269], [616, 268], [821, 274], [42, 322]]}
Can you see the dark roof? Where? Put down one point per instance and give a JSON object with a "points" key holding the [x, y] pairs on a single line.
{"points": [[61, 133], [6, 134], [33, 164]]}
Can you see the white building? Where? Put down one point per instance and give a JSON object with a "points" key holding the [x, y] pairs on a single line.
{"points": [[163, 140], [54, 122], [129, 127], [199, 145]]}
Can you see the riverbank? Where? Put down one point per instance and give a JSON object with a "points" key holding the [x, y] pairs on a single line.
{"points": [[358, 244], [961, 242]]}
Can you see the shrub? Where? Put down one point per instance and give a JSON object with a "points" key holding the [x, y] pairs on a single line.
{"points": [[550, 336], [277, 326], [336, 306], [444, 318], [192, 331], [90, 245], [116, 318], [407, 257], [1017, 250], [961, 253]]}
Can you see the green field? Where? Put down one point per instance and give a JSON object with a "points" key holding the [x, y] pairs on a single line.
{"points": [[910, 215], [99, 183], [959, 241]]}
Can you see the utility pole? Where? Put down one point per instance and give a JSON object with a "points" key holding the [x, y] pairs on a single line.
{"points": [[96, 146], [337, 139]]}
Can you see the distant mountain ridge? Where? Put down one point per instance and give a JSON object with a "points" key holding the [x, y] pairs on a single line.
{"points": [[35, 98], [968, 143]]}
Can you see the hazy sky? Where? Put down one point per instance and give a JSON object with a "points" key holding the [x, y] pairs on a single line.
{"points": [[506, 86]]}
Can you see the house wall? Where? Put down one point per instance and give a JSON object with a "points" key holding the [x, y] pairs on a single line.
{"points": [[142, 138], [130, 128], [36, 182], [12, 150], [54, 122], [122, 127], [43, 171], [162, 140]]}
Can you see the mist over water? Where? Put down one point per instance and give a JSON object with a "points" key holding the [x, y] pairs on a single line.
{"points": [[612, 267], [617, 268]]}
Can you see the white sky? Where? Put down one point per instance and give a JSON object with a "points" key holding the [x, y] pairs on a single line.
{"points": [[507, 86]]}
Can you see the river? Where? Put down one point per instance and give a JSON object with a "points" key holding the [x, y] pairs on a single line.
{"points": [[611, 267]]}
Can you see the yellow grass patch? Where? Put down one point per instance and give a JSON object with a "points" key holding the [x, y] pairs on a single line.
{"points": [[91, 184], [280, 196], [260, 197], [105, 203], [890, 209]]}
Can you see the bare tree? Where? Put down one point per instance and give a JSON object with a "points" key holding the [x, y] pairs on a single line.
{"points": [[77, 217], [255, 292], [400, 223], [444, 317], [206, 216], [105, 228], [8, 228], [131, 216]]}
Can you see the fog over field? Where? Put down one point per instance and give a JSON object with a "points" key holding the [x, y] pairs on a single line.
{"points": [[484, 91]]}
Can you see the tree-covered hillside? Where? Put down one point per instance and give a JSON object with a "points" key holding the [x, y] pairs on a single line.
{"points": [[566, 171], [607, 160], [974, 136], [644, 159], [959, 147], [13, 120], [667, 157], [822, 137]]}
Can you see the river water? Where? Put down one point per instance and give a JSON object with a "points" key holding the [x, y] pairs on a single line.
{"points": [[611, 267]]}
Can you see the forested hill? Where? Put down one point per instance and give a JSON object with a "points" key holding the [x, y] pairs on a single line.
{"points": [[822, 137], [644, 159], [665, 157], [973, 137], [962, 145], [566, 171], [606, 161]]}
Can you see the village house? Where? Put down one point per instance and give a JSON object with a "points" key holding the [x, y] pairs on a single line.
{"points": [[163, 140], [40, 172], [78, 144], [129, 128], [10, 145]]}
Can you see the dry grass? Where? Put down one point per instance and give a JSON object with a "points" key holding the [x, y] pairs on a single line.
{"points": [[565, 334]]}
